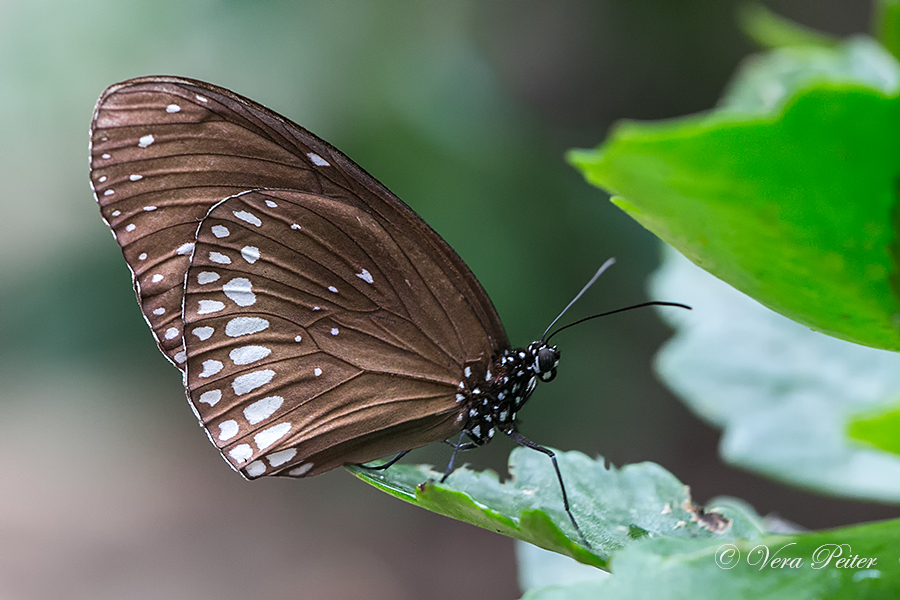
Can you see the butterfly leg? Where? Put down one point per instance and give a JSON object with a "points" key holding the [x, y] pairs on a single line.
{"points": [[524, 441], [388, 463], [456, 448], [462, 447]]}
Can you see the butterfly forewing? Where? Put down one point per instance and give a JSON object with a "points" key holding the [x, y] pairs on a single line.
{"points": [[305, 339], [163, 151]]}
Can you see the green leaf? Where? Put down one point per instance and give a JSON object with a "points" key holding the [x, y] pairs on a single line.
{"points": [[887, 24], [770, 30], [853, 562], [791, 200], [785, 396], [613, 507]]}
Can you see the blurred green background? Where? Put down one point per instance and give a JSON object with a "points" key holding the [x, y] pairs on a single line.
{"points": [[464, 109]]}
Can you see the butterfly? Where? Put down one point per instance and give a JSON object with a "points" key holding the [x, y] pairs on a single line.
{"points": [[316, 319]]}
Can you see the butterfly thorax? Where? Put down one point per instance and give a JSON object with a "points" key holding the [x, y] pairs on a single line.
{"points": [[493, 398]]}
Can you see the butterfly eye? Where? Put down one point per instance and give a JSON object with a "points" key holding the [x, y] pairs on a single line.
{"points": [[547, 361]]}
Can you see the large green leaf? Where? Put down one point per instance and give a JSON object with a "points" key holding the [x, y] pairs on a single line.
{"points": [[788, 192], [857, 562], [789, 399], [613, 506]]}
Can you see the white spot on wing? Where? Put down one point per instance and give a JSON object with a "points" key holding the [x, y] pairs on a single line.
{"points": [[250, 254], [248, 354], [156, 278], [295, 226], [218, 257], [207, 277], [244, 384], [204, 333], [243, 215], [185, 249], [332, 289], [317, 371], [116, 213], [267, 437], [159, 311], [201, 98], [142, 256], [109, 192], [298, 338], [171, 333], [365, 276], [104, 155], [276, 459], [263, 409], [271, 204], [239, 326], [318, 160], [130, 227], [240, 291], [206, 307], [180, 357], [135, 177], [149, 208], [301, 470], [255, 469], [211, 367], [467, 371], [220, 231], [146, 140], [102, 178], [241, 453], [228, 429], [211, 397], [334, 331], [173, 108]]}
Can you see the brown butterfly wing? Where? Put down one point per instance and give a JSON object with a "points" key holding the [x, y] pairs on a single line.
{"points": [[165, 149], [164, 152], [319, 334]]}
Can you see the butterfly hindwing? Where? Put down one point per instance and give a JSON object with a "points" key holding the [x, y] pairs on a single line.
{"points": [[304, 336]]}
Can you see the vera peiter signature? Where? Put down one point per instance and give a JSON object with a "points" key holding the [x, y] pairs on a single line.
{"points": [[838, 556]]}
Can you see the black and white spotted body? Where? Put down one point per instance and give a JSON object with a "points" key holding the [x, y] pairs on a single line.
{"points": [[493, 399]]}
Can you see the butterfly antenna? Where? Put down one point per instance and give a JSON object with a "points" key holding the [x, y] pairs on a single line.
{"points": [[618, 310], [610, 262]]}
